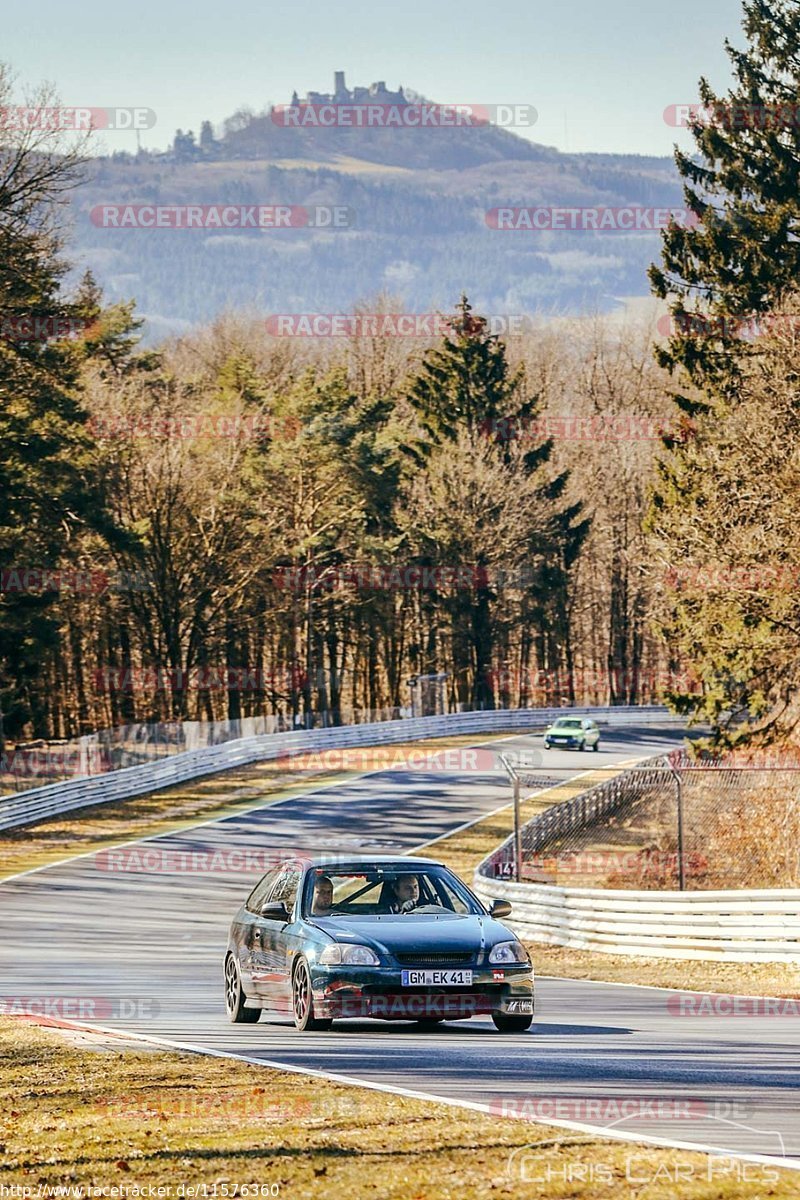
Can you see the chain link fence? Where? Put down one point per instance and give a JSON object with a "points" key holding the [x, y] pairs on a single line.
{"points": [[669, 822]]}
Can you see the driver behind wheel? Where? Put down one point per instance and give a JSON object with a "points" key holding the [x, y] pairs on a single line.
{"points": [[405, 894], [322, 901]]}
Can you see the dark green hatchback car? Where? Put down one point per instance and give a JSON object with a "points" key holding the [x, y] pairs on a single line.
{"points": [[385, 938]]}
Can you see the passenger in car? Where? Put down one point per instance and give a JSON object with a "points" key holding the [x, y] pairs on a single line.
{"points": [[322, 903]]}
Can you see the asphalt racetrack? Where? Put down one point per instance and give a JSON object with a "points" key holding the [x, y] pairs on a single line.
{"points": [[141, 949]]}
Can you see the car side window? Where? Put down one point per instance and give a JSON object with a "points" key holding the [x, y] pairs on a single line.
{"points": [[286, 886], [261, 891]]}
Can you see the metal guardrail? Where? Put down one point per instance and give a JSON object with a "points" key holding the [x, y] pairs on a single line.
{"points": [[37, 804], [743, 925]]}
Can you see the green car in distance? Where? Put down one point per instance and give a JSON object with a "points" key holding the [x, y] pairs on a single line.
{"points": [[574, 733]]}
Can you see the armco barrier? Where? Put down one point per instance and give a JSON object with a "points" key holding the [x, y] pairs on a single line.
{"points": [[729, 926], [53, 799]]}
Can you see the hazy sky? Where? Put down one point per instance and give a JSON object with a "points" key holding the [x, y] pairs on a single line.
{"points": [[599, 74]]}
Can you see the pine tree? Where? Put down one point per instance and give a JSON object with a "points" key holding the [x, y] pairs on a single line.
{"points": [[742, 185], [466, 387], [47, 489], [742, 261]]}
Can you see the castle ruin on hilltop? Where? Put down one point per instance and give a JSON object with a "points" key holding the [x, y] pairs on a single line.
{"points": [[376, 93]]}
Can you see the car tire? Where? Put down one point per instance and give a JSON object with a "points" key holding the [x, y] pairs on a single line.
{"points": [[510, 1023], [303, 1001], [596, 746], [235, 997], [429, 1023], [582, 746]]}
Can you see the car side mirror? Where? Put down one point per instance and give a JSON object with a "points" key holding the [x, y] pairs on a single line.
{"points": [[500, 908], [274, 910]]}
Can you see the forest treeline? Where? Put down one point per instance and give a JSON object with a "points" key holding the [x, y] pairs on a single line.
{"points": [[295, 526]]}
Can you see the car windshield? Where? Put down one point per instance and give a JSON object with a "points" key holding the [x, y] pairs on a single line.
{"points": [[377, 891], [567, 723]]}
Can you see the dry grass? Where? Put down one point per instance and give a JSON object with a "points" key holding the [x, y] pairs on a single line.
{"points": [[751, 979], [92, 1115]]}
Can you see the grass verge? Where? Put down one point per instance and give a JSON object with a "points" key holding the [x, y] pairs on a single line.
{"points": [[79, 1111]]}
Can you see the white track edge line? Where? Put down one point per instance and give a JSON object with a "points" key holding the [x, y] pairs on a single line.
{"points": [[792, 1164]]}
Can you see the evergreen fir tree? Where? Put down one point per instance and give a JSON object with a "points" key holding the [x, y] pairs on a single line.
{"points": [[466, 385], [742, 184]]}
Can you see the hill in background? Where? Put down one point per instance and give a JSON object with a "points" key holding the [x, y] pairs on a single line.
{"points": [[419, 198]]}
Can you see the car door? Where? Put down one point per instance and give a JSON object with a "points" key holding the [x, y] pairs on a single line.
{"points": [[275, 942], [247, 934]]}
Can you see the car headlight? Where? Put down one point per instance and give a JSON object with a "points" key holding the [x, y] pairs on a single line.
{"points": [[351, 956], [508, 952]]}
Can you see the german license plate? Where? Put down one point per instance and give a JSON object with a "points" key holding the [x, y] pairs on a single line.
{"points": [[436, 978]]}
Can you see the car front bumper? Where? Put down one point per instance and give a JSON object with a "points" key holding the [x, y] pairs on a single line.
{"points": [[378, 992]]}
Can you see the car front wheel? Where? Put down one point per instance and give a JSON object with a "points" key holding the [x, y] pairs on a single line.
{"points": [[303, 1001], [509, 1023], [235, 997], [596, 746]]}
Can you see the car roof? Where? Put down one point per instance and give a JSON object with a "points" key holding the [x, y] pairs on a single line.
{"points": [[332, 861]]}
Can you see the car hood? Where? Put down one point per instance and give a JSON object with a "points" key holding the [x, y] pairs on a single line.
{"points": [[407, 933]]}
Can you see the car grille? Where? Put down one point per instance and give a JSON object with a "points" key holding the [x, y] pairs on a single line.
{"points": [[456, 959]]}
